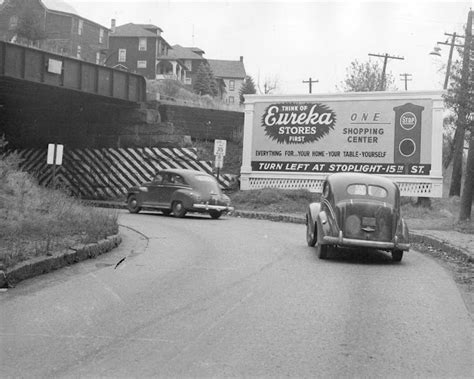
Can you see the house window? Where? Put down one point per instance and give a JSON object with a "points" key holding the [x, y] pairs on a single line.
{"points": [[141, 64], [80, 25], [101, 35], [13, 22], [231, 99], [231, 85], [97, 58], [78, 54], [122, 55], [142, 44]]}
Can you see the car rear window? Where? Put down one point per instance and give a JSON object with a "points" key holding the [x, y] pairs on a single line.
{"points": [[364, 190]]}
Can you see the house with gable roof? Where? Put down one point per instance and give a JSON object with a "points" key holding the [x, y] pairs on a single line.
{"points": [[141, 48], [229, 74], [65, 31], [232, 73], [191, 57]]}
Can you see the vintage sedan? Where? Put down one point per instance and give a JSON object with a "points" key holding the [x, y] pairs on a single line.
{"points": [[357, 211], [179, 191]]}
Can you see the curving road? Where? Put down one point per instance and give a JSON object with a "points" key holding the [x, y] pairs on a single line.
{"points": [[235, 297]]}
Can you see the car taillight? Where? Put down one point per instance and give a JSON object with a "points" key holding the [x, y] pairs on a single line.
{"points": [[352, 225]]}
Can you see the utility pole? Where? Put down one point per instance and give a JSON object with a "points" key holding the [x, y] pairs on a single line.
{"points": [[468, 190], [405, 78], [450, 58], [463, 114], [385, 57], [310, 81]]}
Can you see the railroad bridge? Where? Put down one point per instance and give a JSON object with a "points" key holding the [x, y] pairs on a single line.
{"points": [[113, 137], [46, 97]]}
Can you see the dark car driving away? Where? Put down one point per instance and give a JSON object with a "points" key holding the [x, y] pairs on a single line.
{"points": [[357, 211], [179, 191]]}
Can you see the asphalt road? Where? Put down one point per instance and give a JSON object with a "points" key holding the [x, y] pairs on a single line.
{"points": [[235, 297]]}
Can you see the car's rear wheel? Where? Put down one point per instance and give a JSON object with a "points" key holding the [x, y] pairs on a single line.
{"points": [[178, 209], [311, 235], [215, 214], [397, 255], [132, 204]]}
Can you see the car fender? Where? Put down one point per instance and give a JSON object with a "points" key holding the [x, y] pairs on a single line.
{"points": [[403, 232], [313, 210], [324, 227], [135, 191], [185, 196]]}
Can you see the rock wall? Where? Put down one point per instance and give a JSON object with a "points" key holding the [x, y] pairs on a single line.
{"points": [[202, 123], [79, 124]]}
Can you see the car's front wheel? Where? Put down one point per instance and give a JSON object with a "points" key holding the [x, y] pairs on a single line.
{"points": [[132, 204], [215, 214], [311, 235], [397, 255], [178, 209]]}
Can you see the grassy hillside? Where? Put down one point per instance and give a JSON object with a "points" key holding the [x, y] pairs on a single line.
{"points": [[35, 220]]}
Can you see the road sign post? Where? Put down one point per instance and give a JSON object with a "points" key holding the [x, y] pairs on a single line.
{"points": [[55, 157], [220, 146]]}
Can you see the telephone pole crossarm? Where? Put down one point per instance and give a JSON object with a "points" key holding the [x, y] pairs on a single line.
{"points": [[405, 78], [385, 57]]}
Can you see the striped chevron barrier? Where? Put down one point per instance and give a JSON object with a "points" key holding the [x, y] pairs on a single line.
{"points": [[108, 173]]}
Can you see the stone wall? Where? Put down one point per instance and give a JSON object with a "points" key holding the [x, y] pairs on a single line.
{"points": [[203, 123], [87, 124]]}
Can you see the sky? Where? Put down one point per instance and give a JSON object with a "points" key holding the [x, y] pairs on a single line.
{"points": [[292, 41]]}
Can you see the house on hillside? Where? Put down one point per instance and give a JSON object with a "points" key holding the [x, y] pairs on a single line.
{"points": [[57, 26], [141, 48], [191, 57], [232, 73]]}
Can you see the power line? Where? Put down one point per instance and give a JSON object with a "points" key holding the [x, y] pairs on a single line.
{"points": [[385, 57], [406, 80], [310, 82]]}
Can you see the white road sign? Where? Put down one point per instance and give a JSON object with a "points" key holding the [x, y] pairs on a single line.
{"points": [[55, 154], [220, 146]]}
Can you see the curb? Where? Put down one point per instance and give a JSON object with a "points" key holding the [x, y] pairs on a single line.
{"points": [[420, 238], [41, 265], [281, 217]]}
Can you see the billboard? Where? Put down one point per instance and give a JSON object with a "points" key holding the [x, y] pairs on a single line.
{"points": [[296, 141]]}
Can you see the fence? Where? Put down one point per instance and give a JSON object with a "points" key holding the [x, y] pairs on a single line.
{"points": [[107, 173]]}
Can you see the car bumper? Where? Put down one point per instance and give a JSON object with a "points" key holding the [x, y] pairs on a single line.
{"points": [[349, 242], [209, 207]]}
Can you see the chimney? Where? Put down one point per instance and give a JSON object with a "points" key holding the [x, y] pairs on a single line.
{"points": [[241, 58], [112, 25]]}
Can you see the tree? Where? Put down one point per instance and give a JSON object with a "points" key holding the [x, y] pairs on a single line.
{"points": [[30, 25], [365, 77], [247, 88], [270, 84], [205, 83]]}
